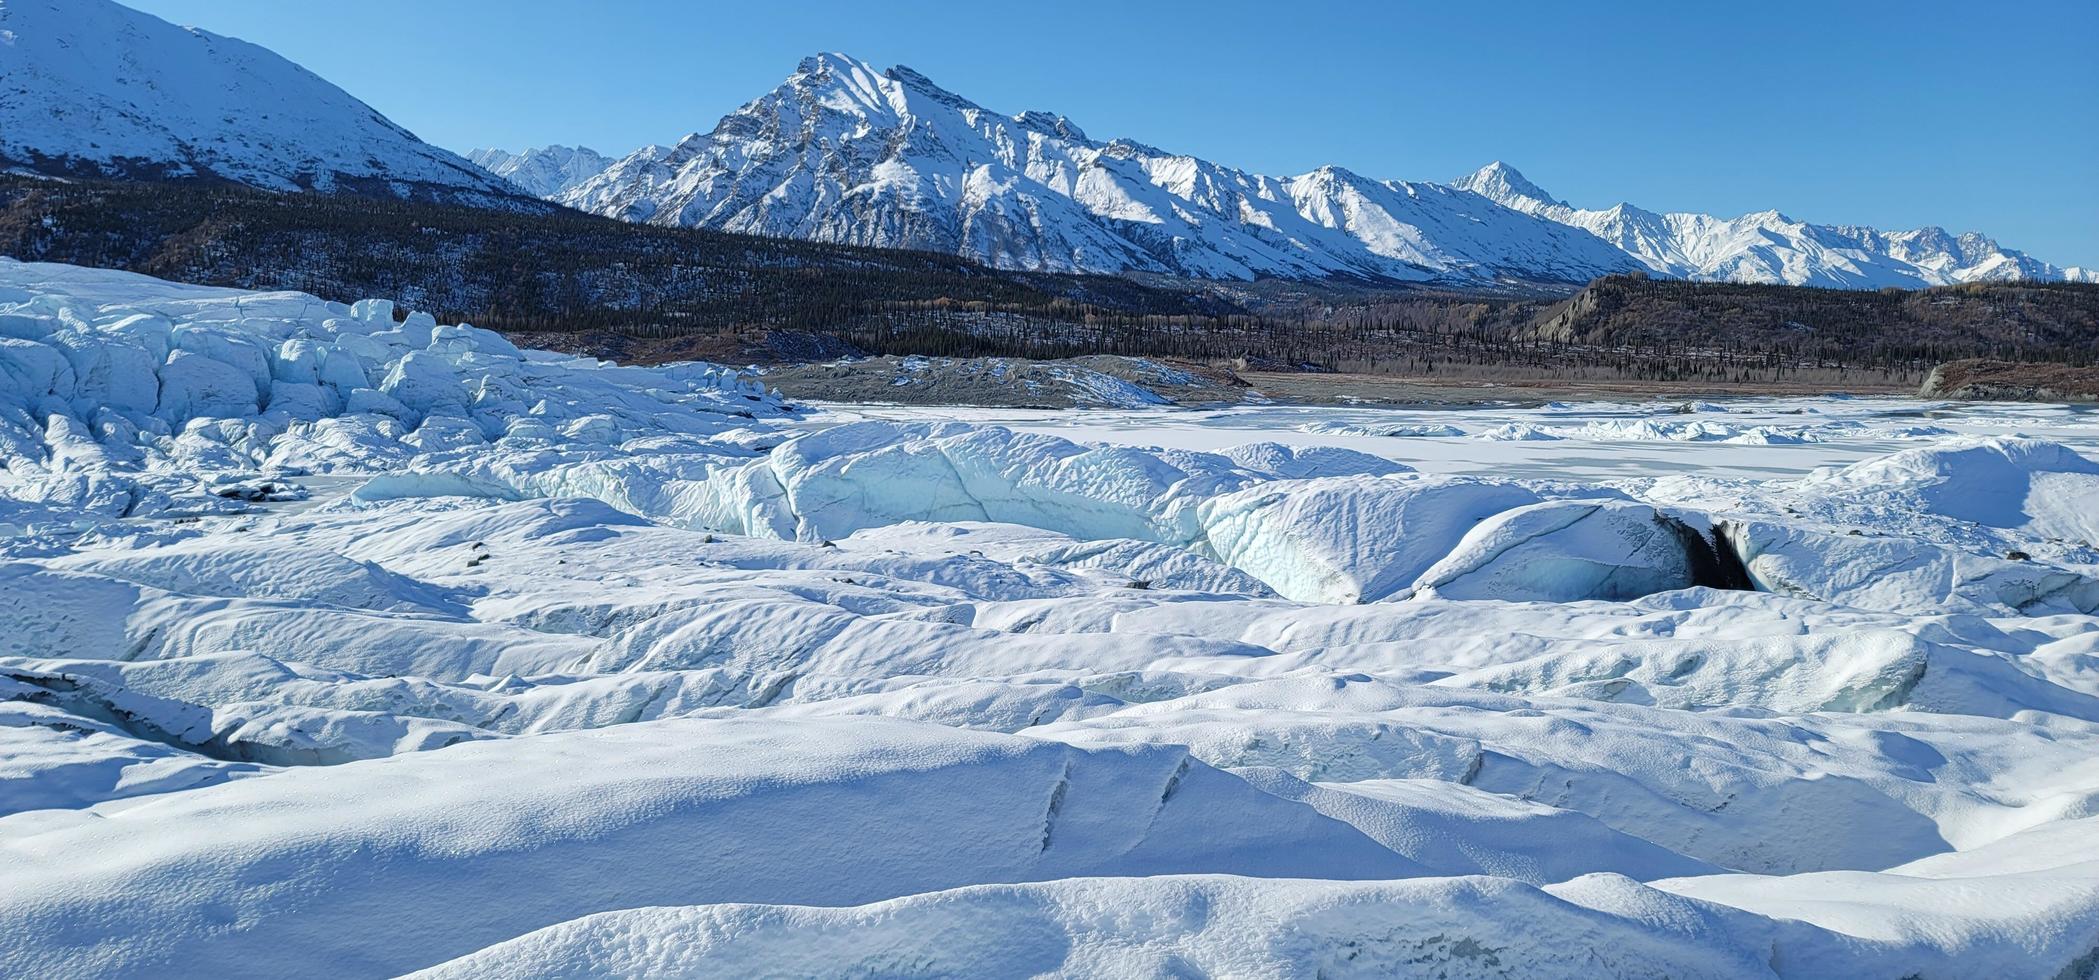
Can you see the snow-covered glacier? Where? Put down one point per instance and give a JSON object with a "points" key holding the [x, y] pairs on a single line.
{"points": [[335, 641]]}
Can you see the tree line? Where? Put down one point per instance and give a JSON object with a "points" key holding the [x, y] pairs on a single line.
{"points": [[564, 273]]}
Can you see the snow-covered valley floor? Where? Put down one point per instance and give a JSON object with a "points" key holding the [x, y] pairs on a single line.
{"points": [[333, 644]]}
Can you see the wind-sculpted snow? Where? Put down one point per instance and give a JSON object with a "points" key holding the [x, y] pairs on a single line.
{"points": [[1896, 573], [412, 860], [1597, 925], [2000, 496], [1203, 926], [336, 643], [2042, 489]]}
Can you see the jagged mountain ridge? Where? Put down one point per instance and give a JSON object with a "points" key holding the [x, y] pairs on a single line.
{"points": [[1769, 247], [844, 152], [92, 88]]}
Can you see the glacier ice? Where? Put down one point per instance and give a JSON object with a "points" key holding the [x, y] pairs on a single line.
{"points": [[335, 640]]}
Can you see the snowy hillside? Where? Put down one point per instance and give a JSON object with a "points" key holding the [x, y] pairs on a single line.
{"points": [[335, 642], [1769, 247], [91, 87], [845, 152], [547, 171]]}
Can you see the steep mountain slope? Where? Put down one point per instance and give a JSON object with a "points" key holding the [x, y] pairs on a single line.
{"points": [[1768, 247], [88, 87], [547, 171], [845, 153]]}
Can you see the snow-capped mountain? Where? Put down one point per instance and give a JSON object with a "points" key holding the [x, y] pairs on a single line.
{"points": [[843, 152], [547, 171], [89, 87], [1769, 247]]}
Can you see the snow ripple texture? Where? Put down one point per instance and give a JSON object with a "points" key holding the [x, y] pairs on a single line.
{"points": [[338, 642]]}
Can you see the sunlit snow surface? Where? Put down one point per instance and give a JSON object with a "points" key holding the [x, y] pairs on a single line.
{"points": [[1749, 438], [335, 645]]}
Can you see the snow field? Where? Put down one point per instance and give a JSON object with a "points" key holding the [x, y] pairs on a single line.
{"points": [[336, 643]]}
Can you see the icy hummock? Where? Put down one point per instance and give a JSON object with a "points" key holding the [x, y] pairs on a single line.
{"points": [[338, 641], [123, 396]]}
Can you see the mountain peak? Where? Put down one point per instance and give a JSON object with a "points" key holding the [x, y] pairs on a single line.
{"points": [[1501, 183], [833, 62], [841, 80]]}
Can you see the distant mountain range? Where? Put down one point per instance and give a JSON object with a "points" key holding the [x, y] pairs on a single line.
{"points": [[845, 153], [549, 171], [842, 152], [1768, 247]]}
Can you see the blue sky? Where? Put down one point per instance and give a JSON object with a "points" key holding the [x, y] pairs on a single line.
{"points": [[1971, 116]]}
